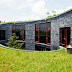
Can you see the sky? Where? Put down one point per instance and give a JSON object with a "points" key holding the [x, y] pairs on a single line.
{"points": [[22, 10]]}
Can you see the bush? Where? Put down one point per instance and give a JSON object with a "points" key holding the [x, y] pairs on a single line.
{"points": [[12, 42], [19, 45]]}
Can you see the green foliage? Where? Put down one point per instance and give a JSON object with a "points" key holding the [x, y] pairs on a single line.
{"points": [[49, 16], [19, 45], [53, 15], [17, 21], [12, 42], [20, 61]]}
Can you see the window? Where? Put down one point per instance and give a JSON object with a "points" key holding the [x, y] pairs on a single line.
{"points": [[63, 36], [19, 30], [42, 36], [36, 35], [49, 32], [43, 33], [68, 36], [37, 26], [43, 26], [2, 34]]}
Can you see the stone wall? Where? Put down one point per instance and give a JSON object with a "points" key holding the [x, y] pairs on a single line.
{"points": [[61, 21], [29, 32], [8, 32], [30, 36], [54, 34]]}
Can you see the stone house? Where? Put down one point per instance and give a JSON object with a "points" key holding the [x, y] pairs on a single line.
{"points": [[41, 34]]}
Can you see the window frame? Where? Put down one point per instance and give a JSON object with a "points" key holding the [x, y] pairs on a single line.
{"points": [[38, 35], [47, 29], [23, 30]]}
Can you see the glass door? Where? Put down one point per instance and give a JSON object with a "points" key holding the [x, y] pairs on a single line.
{"points": [[65, 36]]}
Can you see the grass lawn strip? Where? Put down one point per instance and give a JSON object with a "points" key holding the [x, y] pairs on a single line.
{"points": [[19, 61]]}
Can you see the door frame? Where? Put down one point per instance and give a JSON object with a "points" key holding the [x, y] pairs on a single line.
{"points": [[65, 36]]}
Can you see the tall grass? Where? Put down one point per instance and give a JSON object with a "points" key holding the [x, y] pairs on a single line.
{"points": [[19, 61]]}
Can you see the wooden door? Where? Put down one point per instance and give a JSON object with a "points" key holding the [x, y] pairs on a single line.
{"points": [[65, 36]]}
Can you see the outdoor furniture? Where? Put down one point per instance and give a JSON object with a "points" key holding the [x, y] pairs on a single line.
{"points": [[69, 49]]}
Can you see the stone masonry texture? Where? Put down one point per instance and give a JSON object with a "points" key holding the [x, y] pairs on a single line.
{"points": [[63, 20]]}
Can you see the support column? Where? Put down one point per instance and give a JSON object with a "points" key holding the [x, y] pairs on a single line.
{"points": [[30, 36], [71, 35], [54, 35]]}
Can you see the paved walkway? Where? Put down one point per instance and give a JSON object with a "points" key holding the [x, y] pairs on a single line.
{"points": [[30, 50]]}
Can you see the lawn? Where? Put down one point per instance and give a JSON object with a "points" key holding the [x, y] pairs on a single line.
{"points": [[19, 61]]}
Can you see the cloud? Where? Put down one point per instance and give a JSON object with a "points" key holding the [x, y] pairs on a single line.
{"points": [[5, 1], [17, 10], [63, 10], [18, 18], [24, 4], [59, 11], [39, 8]]}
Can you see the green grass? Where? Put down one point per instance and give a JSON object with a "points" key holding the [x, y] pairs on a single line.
{"points": [[18, 21], [19, 61]]}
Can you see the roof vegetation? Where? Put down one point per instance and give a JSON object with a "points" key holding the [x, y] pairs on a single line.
{"points": [[16, 21], [52, 15], [36, 20]]}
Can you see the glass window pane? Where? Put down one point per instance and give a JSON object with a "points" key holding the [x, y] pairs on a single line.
{"points": [[13, 27], [19, 34], [43, 32], [36, 35], [24, 34], [48, 33], [2, 34], [48, 25], [23, 27], [13, 31], [68, 36], [63, 36], [20, 31], [48, 39], [42, 36], [37, 26], [49, 36], [42, 26], [19, 27]]}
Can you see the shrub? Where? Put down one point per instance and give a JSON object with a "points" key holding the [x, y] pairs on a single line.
{"points": [[19, 45], [12, 42]]}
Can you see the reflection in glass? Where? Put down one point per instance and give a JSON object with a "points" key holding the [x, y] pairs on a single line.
{"points": [[20, 32], [2, 34], [48, 36], [42, 36]]}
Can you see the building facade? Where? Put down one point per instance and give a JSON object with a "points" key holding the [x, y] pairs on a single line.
{"points": [[42, 34]]}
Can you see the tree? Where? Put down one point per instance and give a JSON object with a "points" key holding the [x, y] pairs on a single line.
{"points": [[54, 12], [12, 42]]}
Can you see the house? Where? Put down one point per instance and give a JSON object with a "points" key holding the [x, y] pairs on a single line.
{"points": [[47, 33]]}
